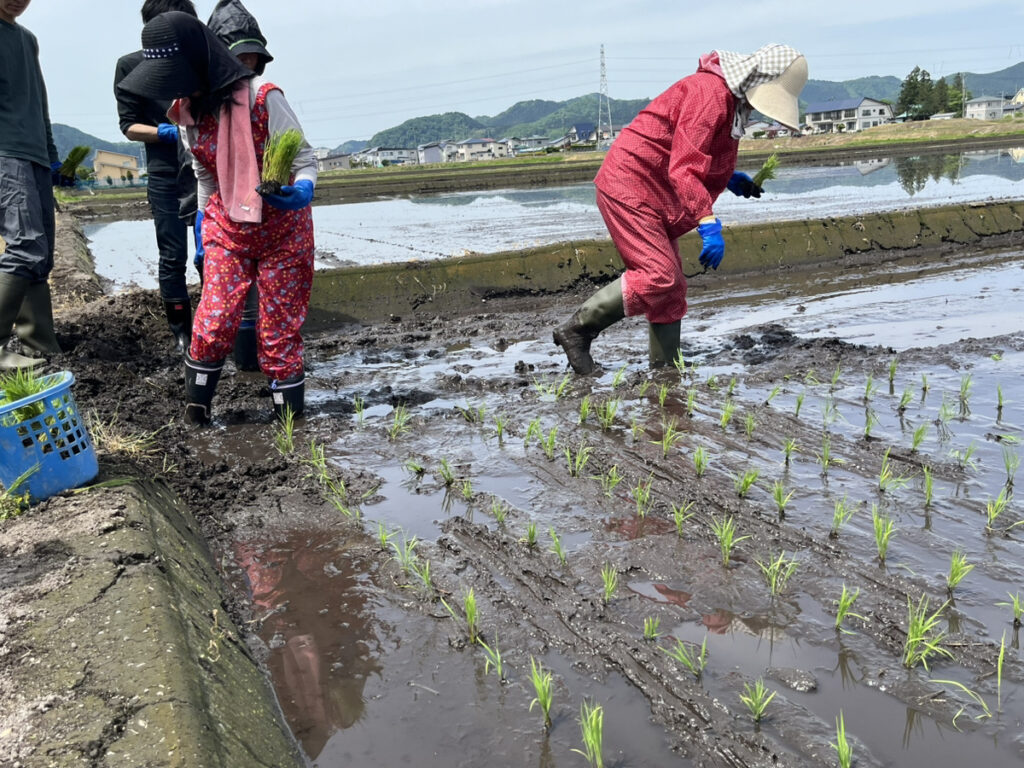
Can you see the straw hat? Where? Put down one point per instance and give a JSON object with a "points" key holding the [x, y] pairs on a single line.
{"points": [[779, 98]]}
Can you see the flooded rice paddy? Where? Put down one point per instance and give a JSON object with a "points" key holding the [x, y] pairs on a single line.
{"points": [[899, 391]]}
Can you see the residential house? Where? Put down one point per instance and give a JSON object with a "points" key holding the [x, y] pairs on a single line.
{"points": [[762, 129], [854, 114], [378, 157], [582, 133], [116, 167], [437, 152], [990, 108], [481, 149], [339, 162], [943, 116]]}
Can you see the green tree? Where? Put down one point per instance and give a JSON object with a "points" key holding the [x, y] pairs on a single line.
{"points": [[909, 92], [941, 95], [958, 94], [925, 107]]}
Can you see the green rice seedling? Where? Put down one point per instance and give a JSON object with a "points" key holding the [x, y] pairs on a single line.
{"points": [[400, 418], [642, 388], [500, 425], [679, 362], [870, 419], [405, 553], [999, 671], [999, 398], [811, 378], [610, 580], [731, 389], [769, 170], [789, 447], [541, 679], [548, 443], [606, 413], [712, 382], [965, 459], [467, 489], [749, 424], [493, 658], [499, 510], [772, 395], [592, 729], [986, 712], [469, 607], [727, 411], [905, 399], [918, 437], [532, 431], [843, 606], [530, 539], [680, 515], [799, 405], [869, 388], [336, 493], [1011, 460], [651, 627], [924, 383], [780, 497], [743, 483], [74, 158], [284, 434], [384, 535], [841, 514], [844, 752], [829, 413], [884, 527], [893, 364], [609, 480], [446, 472], [777, 572], [725, 532], [578, 461], [554, 390], [662, 395], [888, 480], [412, 466], [641, 496], [966, 385], [14, 501], [278, 155], [556, 545], [670, 435], [561, 386], [359, 405], [924, 638], [318, 462], [473, 415], [619, 377], [994, 508], [1017, 604], [958, 569], [584, 409], [421, 570], [825, 458], [700, 460], [689, 657], [945, 416], [928, 485], [635, 428], [756, 697]]}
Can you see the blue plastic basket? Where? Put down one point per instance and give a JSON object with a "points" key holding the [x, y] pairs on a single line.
{"points": [[46, 431]]}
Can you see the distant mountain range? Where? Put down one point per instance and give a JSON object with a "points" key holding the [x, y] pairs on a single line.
{"points": [[66, 137]]}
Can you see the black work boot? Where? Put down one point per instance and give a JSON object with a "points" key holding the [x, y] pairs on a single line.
{"points": [[597, 313], [34, 324], [246, 357], [179, 318], [13, 290], [289, 395], [663, 344], [200, 384]]}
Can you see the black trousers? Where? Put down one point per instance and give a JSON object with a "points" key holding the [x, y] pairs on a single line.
{"points": [[171, 236]]}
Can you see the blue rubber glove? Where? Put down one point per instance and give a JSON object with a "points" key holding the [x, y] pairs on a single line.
{"points": [[742, 185], [292, 197], [55, 173], [167, 133], [714, 245], [197, 231]]}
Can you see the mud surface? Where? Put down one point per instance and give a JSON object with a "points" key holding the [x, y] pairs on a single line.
{"points": [[371, 668]]}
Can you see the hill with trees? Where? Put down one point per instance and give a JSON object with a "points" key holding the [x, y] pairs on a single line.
{"points": [[67, 137]]}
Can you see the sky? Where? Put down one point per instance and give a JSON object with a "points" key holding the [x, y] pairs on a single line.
{"points": [[350, 69]]}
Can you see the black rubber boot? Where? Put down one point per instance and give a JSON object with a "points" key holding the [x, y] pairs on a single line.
{"points": [[13, 290], [179, 318], [246, 357], [200, 384], [34, 324], [289, 394], [664, 344], [597, 313]]}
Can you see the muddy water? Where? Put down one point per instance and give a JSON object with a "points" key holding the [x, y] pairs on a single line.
{"points": [[439, 226], [371, 670]]}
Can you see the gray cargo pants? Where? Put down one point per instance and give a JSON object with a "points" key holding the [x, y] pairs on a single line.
{"points": [[26, 219]]}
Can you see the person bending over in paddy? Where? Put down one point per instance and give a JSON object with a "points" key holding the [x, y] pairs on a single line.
{"points": [[229, 114], [660, 180]]}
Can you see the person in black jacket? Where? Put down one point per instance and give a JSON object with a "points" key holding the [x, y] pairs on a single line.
{"points": [[171, 183]]}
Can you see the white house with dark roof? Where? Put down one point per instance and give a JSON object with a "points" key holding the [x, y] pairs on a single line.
{"points": [[847, 115], [990, 108], [381, 156], [481, 149]]}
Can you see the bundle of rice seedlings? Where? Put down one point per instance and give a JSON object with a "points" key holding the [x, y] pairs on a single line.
{"points": [[278, 156], [73, 160], [767, 171], [18, 384]]}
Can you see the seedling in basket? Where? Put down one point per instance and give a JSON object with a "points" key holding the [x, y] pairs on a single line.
{"points": [[841, 513], [610, 580], [400, 418], [924, 638], [780, 497], [743, 483], [725, 532], [541, 679], [606, 412], [584, 409], [756, 697], [727, 411], [548, 443], [844, 752], [689, 657], [556, 545], [888, 480], [592, 730], [843, 606], [958, 569], [651, 626], [670, 435], [884, 530], [641, 495], [609, 480], [680, 515], [1017, 604], [777, 572], [700, 460], [578, 461]]}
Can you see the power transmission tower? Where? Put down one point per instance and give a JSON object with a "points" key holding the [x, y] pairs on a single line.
{"points": [[604, 106]]}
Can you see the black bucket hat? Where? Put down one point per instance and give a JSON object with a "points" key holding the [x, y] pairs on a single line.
{"points": [[232, 23], [180, 57]]}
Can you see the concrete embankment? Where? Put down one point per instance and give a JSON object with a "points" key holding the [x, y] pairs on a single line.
{"points": [[368, 294]]}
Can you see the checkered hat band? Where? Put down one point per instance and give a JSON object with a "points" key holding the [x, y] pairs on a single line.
{"points": [[163, 52], [745, 70]]}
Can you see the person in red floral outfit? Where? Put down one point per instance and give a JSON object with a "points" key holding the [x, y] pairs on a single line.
{"points": [[228, 113], [660, 180]]}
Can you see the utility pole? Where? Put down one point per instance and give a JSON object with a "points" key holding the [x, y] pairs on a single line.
{"points": [[604, 105]]}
